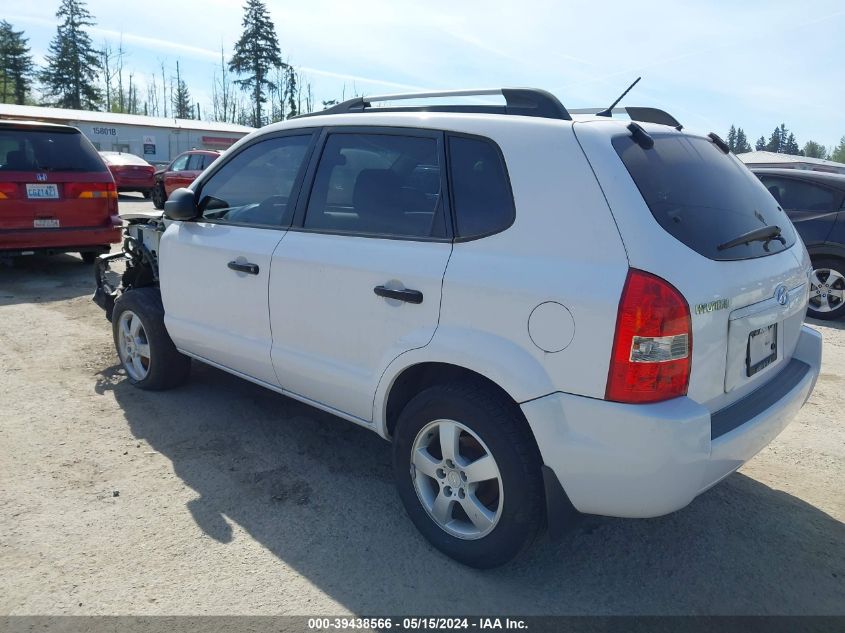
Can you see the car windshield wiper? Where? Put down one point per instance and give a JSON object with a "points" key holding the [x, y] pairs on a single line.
{"points": [[763, 234]]}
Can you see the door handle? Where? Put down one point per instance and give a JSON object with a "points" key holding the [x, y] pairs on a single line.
{"points": [[246, 267], [406, 295]]}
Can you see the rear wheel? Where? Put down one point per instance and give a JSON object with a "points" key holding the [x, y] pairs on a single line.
{"points": [[468, 473], [159, 196], [146, 193], [827, 289], [146, 351], [88, 257]]}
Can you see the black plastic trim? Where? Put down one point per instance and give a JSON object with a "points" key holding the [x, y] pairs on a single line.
{"points": [[755, 403], [561, 515]]}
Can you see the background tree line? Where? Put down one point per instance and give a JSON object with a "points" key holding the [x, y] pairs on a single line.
{"points": [[255, 86]]}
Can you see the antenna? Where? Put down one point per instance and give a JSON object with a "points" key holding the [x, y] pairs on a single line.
{"points": [[609, 111]]}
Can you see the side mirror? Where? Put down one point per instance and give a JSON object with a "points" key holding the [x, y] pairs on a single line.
{"points": [[181, 205]]}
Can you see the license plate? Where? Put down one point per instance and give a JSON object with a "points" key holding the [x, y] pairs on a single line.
{"points": [[762, 349], [46, 223], [42, 192]]}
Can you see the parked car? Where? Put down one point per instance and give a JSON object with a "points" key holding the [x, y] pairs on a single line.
{"points": [[815, 202], [545, 316], [181, 172], [56, 194], [130, 172]]}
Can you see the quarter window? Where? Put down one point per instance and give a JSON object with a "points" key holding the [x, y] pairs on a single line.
{"points": [[481, 193], [377, 184], [255, 185]]}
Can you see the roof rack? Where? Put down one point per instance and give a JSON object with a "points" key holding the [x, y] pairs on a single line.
{"points": [[518, 101], [642, 114]]}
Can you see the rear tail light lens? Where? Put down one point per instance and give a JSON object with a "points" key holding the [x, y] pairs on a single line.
{"points": [[652, 347], [8, 190], [90, 190]]}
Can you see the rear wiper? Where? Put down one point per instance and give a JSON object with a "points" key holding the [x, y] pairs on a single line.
{"points": [[763, 234]]}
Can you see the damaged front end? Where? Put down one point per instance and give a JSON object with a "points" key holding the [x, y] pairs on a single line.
{"points": [[135, 266]]}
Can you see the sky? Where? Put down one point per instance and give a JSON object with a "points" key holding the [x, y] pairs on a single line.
{"points": [[755, 64]]}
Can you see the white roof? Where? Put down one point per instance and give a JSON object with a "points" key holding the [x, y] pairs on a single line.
{"points": [[761, 158], [63, 115]]}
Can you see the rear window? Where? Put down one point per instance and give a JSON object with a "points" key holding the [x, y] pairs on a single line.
{"points": [[702, 196], [47, 150], [117, 158]]}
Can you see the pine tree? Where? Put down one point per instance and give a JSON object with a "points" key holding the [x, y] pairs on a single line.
{"points": [[293, 110], [16, 65], [732, 139], [760, 145], [838, 154], [742, 145], [256, 54], [72, 62], [791, 145], [814, 150], [182, 108], [776, 140]]}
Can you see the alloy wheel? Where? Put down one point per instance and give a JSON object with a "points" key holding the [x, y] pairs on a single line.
{"points": [[827, 290], [133, 346]]}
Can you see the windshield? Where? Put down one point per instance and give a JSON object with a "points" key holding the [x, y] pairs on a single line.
{"points": [[703, 197], [47, 150]]}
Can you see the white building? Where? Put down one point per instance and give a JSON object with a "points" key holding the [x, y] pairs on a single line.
{"points": [[157, 139], [790, 161]]}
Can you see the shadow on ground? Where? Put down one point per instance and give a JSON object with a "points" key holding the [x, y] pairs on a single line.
{"points": [[45, 278], [317, 492]]}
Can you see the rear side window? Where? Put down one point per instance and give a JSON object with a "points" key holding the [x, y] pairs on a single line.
{"points": [[796, 194], [481, 194], [47, 150], [377, 184], [702, 196]]}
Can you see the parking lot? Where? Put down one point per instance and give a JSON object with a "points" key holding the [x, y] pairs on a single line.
{"points": [[224, 498]]}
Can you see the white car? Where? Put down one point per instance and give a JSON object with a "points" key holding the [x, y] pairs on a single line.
{"points": [[547, 314]]}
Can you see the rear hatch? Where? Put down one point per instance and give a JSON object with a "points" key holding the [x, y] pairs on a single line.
{"points": [[51, 177], [678, 205], [128, 169]]}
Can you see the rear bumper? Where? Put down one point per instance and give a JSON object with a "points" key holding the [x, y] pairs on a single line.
{"points": [[57, 240], [648, 460]]}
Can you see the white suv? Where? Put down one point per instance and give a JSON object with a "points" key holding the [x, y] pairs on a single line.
{"points": [[546, 314]]}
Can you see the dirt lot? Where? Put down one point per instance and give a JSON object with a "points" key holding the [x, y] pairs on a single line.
{"points": [[223, 498]]}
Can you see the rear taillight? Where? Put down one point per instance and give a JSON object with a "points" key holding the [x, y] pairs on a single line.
{"points": [[652, 347], [90, 190], [8, 190]]}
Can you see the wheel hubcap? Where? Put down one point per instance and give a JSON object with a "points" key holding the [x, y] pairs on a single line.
{"points": [[133, 346], [456, 479], [827, 290]]}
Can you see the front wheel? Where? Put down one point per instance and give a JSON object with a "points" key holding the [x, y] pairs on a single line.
{"points": [[827, 289], [147, 353], [159, 196], [468, 473]]}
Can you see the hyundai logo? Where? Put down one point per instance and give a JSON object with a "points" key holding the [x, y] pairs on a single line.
{"points": [[781, 295]]}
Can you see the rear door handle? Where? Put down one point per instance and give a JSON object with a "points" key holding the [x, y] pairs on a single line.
{"points": [[407, 295], [245, 267]]}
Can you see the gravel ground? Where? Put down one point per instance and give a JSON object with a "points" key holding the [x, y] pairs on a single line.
{"points": [[224, 498]]}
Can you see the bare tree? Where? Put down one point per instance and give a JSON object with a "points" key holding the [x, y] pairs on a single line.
{"points": [[107, 60]]}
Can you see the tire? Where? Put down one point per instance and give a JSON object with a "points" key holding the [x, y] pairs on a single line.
{"points": [[158, 195], [88, 257], [147, 193], [149, 357], [827, 289], [488, 425]]}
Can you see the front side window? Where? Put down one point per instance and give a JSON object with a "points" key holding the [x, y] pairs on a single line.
{"points": [[377, 184], [181, 163], [796, 194], [481, 193], [255, 185]]}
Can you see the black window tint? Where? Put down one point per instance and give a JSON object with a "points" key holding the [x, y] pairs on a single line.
{"points": [[377, 184], [180, 164], [255, 185], [481, 193], [702, 196], [796, 194], [42, 150]]}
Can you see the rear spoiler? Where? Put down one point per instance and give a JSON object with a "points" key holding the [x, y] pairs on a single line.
{"points": [[636, 113]]}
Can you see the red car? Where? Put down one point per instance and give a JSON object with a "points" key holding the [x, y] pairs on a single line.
{"points": [[56, 193], [181, 172], [130, 172]]}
